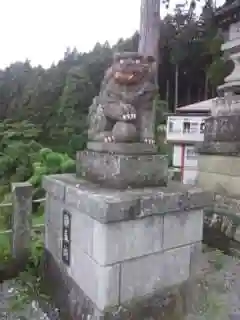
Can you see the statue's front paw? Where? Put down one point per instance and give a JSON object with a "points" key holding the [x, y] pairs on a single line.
{"points": [[128, 112], [149, 141], [109, 139], [129, 116]]}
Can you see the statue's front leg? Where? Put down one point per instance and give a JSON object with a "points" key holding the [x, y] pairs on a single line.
{"points": [[146, 126]]}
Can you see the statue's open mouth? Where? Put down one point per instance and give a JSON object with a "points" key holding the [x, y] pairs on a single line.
{"points": [[126, 77]]}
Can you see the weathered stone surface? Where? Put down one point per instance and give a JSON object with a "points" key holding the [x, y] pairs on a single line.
{"points": [[123, 171], [120, 248], [123, 111], [114, 242], [53, 213], [222, 128], [196, 257], [81, 233], [226, 202], [220, 148], [182, 228], [125, 240], [221, 135], [143, 276], [53, 226], [82, 230], [237, 234], [21, 218], [109, 205], [74, 304], [56, 188], [100, 284], [219, 164], [226, 104], [175, 197], [234, 316], [102, 206], [213, 181], [122, 148], [67, 295]]}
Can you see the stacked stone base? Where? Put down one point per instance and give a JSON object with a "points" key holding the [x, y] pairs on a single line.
{"points": [[125, 246], [122, 165]]}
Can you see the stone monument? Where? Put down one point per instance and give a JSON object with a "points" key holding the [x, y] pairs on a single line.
{"points": [[219, 161], [117, 233], [219, 154]]}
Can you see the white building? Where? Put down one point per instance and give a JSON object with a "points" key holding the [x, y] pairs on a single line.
{"points": [[184, 129]]}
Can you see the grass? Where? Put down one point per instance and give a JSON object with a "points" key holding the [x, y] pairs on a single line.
{"points": [[5, 239], [36, 220], [39, 219]]}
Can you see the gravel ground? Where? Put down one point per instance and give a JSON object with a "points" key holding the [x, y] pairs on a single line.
{"points": [[215, 297]]}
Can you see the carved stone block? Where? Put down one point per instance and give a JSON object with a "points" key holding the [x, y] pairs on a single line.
{"points": [[123, 171], [222, 128]]}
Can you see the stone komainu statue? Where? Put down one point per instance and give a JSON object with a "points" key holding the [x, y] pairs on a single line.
{"points": [[123, 111]]}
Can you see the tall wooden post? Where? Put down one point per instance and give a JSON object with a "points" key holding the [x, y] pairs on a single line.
{"points": [[150, 28]]}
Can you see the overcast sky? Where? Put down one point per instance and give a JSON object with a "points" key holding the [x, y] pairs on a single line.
{"points": [[40, 30]]}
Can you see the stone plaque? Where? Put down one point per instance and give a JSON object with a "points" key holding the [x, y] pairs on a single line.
{"points": [[66, 238]]}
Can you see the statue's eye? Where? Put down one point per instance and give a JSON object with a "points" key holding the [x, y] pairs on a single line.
{"points": [[137, 61], [121, 61]]}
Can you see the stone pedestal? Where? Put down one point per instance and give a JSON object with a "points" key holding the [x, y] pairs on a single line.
{"points": [[124, 246], [122, 165], [219, 154]]}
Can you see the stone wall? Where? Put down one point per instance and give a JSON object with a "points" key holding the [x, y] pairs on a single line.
{"points": [[219, 173], [125, 245]]}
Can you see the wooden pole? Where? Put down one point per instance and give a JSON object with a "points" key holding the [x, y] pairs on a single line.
{"points": [[150, 28], [21, 219]]}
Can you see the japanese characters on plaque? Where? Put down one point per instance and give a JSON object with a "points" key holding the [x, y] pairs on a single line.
{"points": [[66, 237]]}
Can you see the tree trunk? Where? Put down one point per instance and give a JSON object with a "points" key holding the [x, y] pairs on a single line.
{"points": [[176, 87], [206, 87], [189, 95], [167, 92], [150, 28]]}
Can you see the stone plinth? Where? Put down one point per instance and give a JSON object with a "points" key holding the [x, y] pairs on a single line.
{"points": [[124, 245], [221, 136], [123, 165], [219, 160]]}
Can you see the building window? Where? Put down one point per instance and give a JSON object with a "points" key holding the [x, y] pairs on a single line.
{"points": [[190, 154], [171, 126], [186, 126], [194, 127]]}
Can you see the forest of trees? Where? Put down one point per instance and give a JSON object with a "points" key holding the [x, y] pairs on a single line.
{"points": [[47, 108]]}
